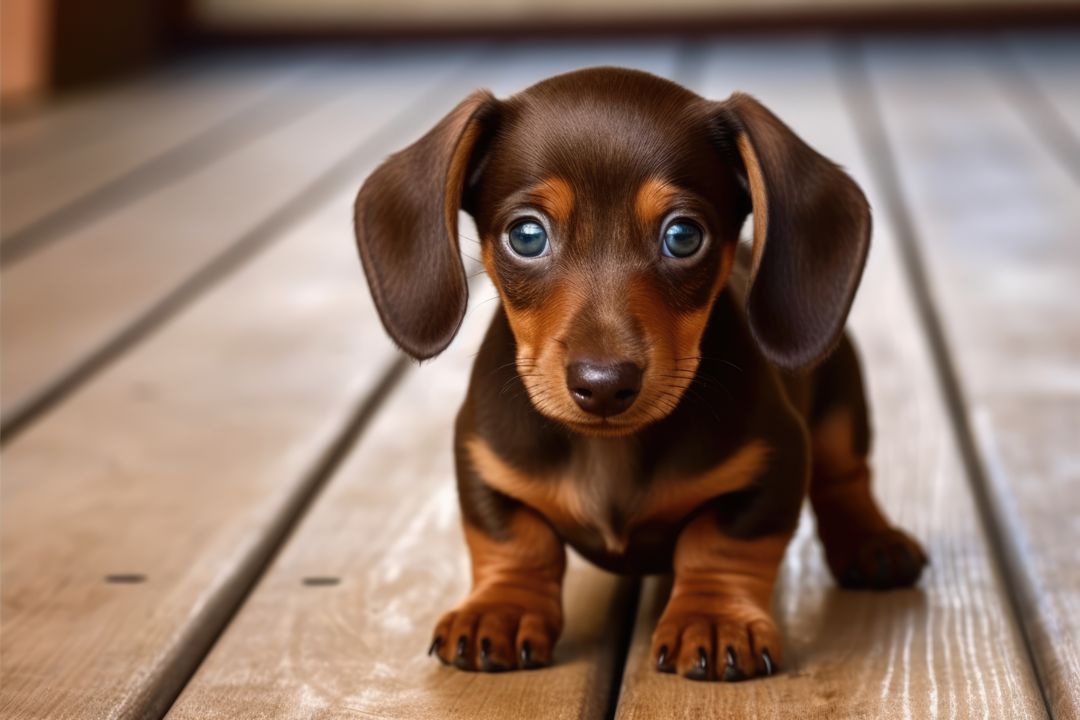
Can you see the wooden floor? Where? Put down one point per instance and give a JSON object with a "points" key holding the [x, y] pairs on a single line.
{"points": [[225, 495]]}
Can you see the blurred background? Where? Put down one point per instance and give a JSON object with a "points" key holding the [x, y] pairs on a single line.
{"points": [[57, 44]]}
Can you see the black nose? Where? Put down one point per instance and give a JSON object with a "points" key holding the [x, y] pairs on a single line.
{"points": [[603, 389]]}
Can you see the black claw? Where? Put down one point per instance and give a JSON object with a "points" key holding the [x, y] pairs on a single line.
{"points": [[460, 661], [700, 671], [486, 663], [731, 670], [527, 662], [661, 659], [767, 659], [435, 645]]}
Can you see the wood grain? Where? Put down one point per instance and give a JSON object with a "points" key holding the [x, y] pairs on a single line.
{"points": [[388, 529], [184, 463], [996, 220], [1049, 66], [950, 647], [180, 463], [157, 136], [71, 299]]}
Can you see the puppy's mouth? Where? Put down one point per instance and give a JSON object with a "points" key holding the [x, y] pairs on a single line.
{"points": [[553, 399]]}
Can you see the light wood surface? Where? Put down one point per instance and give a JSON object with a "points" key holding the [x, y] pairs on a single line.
{"points": [[74, 297], [185, 461], [388, 529], [180, 463], [948, 648], [1050, 65], [175, 95], [161, 140], [996, 217]]}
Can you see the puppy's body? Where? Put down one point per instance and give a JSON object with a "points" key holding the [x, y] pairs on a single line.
{"points": [[734, 441], [640, 395]]}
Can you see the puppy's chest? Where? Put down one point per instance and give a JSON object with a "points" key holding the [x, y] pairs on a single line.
{"points": [[610, 497]]}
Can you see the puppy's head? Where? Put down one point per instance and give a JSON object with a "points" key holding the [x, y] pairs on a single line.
{"points": [[609, 204]]}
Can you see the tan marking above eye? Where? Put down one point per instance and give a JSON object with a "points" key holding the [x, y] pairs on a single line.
{"points": [[555, 197], [654, 200]]}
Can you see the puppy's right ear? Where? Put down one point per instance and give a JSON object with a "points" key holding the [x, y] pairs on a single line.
{"points": [[406, 229]]}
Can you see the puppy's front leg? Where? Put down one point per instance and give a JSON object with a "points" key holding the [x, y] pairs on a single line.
{"points": [[513, 614], [717, 624]]}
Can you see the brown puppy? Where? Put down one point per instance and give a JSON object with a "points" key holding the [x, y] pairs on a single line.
{"points": [[641, 394]]}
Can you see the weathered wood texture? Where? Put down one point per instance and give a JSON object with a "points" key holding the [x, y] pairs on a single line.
{"points": [[64, 305], [388, 528], [182, 463], [950, 647], [185, 461], [996, 219], [160, 132], [1050, 66]]}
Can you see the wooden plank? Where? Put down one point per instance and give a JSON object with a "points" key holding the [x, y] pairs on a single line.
{"points": [[70, 306], [995, 217], [178, 470], [1048, 88], [164, 96], [179, 464], [387, 530], [948, 648], [144, 146]]}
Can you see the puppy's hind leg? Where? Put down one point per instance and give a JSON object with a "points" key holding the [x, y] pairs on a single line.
{"points": [[863, 549]]}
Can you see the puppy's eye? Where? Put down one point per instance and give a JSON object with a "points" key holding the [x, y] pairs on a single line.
{"points": [[682, 238], [528, 238]]}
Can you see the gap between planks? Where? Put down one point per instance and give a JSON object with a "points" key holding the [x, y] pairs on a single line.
{"points": [[231, 133], [859, 93], [221, 266]]}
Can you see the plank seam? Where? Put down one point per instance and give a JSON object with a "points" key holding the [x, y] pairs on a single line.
{"points": [[227, 136], [157, 701], [857, 89], [1034, 107], [18, 157], [270, 229]]}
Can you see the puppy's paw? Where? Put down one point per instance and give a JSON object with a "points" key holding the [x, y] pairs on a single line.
{"points": [[709, 638], [886, 559], [492, 636]]}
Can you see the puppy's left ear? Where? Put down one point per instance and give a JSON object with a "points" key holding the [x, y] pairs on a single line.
{"points": [[407, 231], [811, 235]]}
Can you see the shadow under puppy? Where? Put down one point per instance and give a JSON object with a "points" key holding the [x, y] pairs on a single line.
{"points": [[641, 394]]}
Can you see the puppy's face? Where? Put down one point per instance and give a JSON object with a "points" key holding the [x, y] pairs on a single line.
{"points": [[608, 218], [609, 203]]}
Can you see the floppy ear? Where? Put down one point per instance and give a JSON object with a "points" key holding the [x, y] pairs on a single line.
{"points": [[811, 235], [406, 230]]}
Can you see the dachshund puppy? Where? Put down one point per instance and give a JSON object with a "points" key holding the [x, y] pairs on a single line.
{"points": [[642, 394]]}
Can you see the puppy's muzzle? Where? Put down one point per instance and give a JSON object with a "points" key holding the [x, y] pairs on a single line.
{"points": [[604, 389]]}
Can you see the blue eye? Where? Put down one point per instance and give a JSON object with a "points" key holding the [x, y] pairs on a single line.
{"points": [[682, 238], [528, 238]]}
